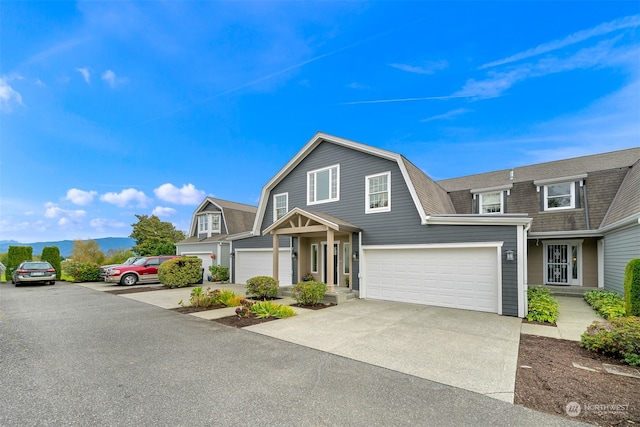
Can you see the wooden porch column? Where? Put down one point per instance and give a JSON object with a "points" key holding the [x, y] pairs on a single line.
{"points": [[331, 286], [276, 253], [350, 260]]}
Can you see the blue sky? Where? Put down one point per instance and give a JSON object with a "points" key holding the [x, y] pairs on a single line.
{"points": [[111, 109]]}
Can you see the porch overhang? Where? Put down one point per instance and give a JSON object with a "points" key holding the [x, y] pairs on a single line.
{"points": [[299, 221]]}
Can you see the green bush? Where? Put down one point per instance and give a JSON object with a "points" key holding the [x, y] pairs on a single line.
{"points": [[619, 337], [264, 309], [262, 287], [180, 272], [606, 304], [16, 255], [212, 298], [632, 287], [52, 254], [219, 273], [542, 306], [81, 271], [309, 293]]}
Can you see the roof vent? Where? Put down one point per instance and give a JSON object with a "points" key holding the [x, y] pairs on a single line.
{"points": [[511, 174]]}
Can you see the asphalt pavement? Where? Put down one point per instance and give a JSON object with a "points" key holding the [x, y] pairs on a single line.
{"points": [[73, 356]]}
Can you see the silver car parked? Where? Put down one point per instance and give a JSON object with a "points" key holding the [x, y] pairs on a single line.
{"points": [[34, 272]]}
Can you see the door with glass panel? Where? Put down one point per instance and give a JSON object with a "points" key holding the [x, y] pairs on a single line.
{"points": [[562, 264]]}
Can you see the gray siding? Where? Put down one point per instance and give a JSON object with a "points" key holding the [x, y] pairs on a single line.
{"points": [[619, 248]]}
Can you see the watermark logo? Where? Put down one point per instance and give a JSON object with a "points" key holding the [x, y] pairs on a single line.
{"points": [[573, 409]]}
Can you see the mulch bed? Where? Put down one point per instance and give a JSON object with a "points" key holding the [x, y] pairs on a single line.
{"points": [[318, 306], [547, 381], [241, 322], [189, 309], [133, 290]]}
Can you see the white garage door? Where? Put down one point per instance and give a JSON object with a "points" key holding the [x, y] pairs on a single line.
{"points": [[464, 278], [251, 263]]}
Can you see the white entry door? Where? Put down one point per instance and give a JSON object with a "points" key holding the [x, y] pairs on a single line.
{"points": [[562, 264]]}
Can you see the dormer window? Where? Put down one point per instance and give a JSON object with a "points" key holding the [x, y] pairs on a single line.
{"points": [[378, 193], [209, 223], [491, 203], [280, 205], [203, 224], [559, 196], [323, 185]]}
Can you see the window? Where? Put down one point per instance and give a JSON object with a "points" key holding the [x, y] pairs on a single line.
{"points": [[323, 185], [209, 223], [203, 223], [378, 195], [280, 206], [314, 258], [491, 202], [215, 223], [559, 196], [346, 257]]}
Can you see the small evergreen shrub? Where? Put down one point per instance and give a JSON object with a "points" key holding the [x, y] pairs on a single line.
{"points": [[618, 337], [81, 271], [309, 293], [219, 273], [180, 272], [264, 309], [607, 304], [632, 287], [16, 255], [52, 255], [262, 287], [542, 306]]}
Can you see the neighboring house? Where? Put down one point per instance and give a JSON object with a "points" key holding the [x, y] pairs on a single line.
{"points": [[585, 213], [211, 223], [357, 216]]}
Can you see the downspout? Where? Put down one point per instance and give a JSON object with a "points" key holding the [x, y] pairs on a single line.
{"points": [[525, 269], [586, 206]]}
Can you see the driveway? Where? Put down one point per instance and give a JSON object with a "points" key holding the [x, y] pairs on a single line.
{"points": [[470, 350]]}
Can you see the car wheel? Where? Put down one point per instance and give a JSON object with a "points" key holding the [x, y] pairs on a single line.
{"points": [[129, 279], [51, 283]]}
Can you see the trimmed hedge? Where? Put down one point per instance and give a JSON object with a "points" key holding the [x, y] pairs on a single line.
{"points": [[309, 293], [619, 337], [81, 271], [262, 287], [632, 287], [180, 272], [52, 255], [16, 255]]}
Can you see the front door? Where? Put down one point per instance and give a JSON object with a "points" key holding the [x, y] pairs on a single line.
{"points": [[562, 264], [335, 263]]}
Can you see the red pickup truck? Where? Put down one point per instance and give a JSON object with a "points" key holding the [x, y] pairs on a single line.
{"points": [[144, 270]]}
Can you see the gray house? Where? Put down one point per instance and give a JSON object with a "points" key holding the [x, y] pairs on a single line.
{"points": [[211, 223], [585, 214], [356, 216]]}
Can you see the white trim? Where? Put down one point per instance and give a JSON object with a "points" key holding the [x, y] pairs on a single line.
{"points": [[437, 245], [315, 185], [521, 243], [361, 273], [367, 208], [491, 189], [317, 258], [600, 249], [630, 220], [565, 234], [572, 178], [275, 208], [484, 219], [499, 276], [481, 196], [572, 194], [346, 258]]}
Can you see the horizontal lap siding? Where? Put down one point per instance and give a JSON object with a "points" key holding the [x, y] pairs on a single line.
{"points": [[619, 248]]}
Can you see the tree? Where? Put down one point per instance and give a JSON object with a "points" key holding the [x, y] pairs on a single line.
{"points": [[52, 254], [87, 251], [155, 237], [118, 256]]}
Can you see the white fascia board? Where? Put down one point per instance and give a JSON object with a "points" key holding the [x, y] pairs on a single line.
{"points": [[414, 195], [300, 211], [631, 220], [564, 234], [572, 178], [490, 189], [436, 246], [496, 219], [239, 236]]}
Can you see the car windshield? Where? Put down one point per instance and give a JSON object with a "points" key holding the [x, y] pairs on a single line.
{"points": [[129, 261], [140, 261], [36, 266]]}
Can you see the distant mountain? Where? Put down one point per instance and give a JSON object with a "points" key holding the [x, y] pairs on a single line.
{"points": [[65, 246]]}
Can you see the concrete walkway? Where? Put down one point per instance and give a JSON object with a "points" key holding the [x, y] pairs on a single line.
{"points": [[574, 316]]}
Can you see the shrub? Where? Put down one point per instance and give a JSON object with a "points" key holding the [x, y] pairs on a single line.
{"points": [[219, 273], [16, 255], [542, 306], [52, 255], [619, 337], [309, 293], [180, 272], [262, 287], [606, 304], [264, 309], [211, 298], [632, 287], [81, 271], [245, 308]]}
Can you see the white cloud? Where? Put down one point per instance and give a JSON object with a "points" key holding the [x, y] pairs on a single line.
{"points": [[102, 224], [65, 216], [80, 197], [163, 211], [448, 115], [426, 68], [111, 78], [126, 197], [605, 28], [187, 195], [8, 96], [86, 74]]}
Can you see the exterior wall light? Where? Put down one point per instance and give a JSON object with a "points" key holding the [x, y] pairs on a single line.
{"points": [[294, 254], [355, 255], [511, 255]]}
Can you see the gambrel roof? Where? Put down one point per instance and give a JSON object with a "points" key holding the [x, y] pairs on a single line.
{"points": [[237, 217]]}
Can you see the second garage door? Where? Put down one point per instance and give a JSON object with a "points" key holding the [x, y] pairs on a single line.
{"points": [[251, 263], [457, 277]]}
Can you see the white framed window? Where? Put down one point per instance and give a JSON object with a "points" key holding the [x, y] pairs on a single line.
{"points": [[559, 196], [314, 258], [323, 185], [203, 223], [378, 193], [280, 205], [346, 258], [491, 202], [215, 223]]}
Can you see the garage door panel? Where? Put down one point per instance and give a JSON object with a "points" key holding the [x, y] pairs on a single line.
{"points": [[453, 277], [260, 263]]}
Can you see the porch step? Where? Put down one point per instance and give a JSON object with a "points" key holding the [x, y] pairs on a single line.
{"points": [[341, 294], [567, 291]]}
